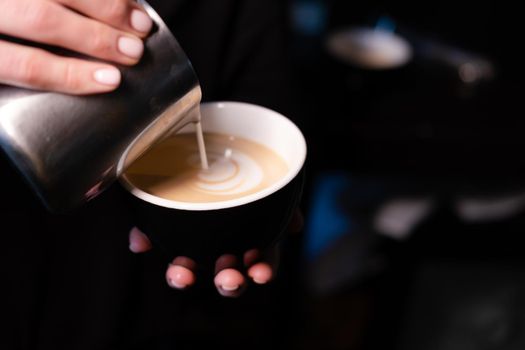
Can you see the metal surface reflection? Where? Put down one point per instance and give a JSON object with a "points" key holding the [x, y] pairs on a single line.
{"points": [[68, 147]]}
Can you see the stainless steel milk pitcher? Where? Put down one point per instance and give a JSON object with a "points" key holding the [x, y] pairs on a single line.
{"points": [[71, 148]]}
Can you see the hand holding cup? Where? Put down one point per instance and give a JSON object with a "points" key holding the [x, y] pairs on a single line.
{"points": [[232, 223]]}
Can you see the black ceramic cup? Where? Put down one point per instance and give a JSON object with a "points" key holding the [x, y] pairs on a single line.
{"points": [[204, 231]]}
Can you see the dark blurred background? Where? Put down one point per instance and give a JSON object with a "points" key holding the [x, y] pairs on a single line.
{"points": [[415, 194], [415, 199]]}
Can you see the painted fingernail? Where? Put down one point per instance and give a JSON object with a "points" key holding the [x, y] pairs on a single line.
{"points": [[130, 47], [141, 21], [107, 76], [230, 288], [260, 273], [175, 284], [134, 247]]}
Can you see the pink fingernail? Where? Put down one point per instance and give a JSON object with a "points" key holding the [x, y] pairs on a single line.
{"points": [[130, 47], [135, 248], [260, 281], [176, 284], [230, 288], [107, 76], [141, 21]]}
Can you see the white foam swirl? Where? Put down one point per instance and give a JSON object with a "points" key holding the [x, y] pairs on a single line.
{"points": [[230, 173]]}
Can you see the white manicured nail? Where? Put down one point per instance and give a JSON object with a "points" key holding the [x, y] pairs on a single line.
{"points": [[107, 76], [230, 288], [175, 284], [259, 281], [141, 21], [130, 47]]}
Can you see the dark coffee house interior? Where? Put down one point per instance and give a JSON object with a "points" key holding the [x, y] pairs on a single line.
{"points": [[397, 253], [414, 198], [415, 193]]}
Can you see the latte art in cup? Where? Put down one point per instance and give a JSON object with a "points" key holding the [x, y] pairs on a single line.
{"points": [[237, 167], [244, 200]]}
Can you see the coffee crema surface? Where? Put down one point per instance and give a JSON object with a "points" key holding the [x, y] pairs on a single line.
{"points": [[237, 167]]}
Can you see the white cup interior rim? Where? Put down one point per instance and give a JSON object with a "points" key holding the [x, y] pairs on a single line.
{"points": [[293, 170]]}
